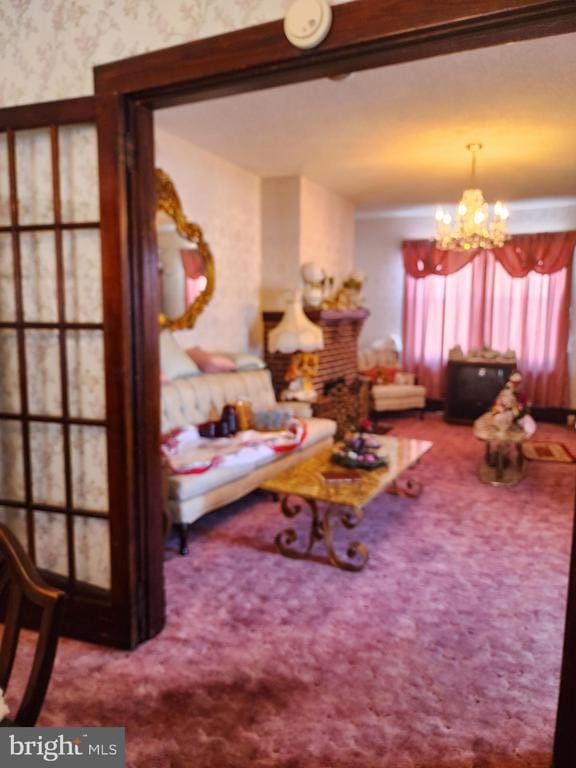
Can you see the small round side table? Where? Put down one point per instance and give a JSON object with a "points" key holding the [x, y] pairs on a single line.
{"points": [[503, 458]]}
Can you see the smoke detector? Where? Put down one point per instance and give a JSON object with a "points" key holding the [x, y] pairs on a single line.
{"points": [[307, 22]]}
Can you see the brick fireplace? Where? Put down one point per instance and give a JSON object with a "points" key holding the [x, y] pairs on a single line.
{"points": [[338, 359]]}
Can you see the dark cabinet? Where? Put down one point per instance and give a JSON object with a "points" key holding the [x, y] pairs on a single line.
{"points": [[471, 387]]}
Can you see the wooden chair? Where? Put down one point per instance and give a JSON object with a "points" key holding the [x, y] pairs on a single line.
{"points": [[21, 584]]}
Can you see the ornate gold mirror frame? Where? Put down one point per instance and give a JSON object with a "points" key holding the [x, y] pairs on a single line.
{"points": [[167, 200]]}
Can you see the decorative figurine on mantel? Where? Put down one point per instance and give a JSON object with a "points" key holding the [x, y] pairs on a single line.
{"points": [[317, 285], [349, 295]]}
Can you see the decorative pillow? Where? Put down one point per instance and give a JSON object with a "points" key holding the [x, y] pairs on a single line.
{"points": [[244, 361], [381, 375], [174, 362], [210, 362]]}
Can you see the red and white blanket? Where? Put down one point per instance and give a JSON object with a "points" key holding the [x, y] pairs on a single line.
{"points": [[186, 453]]}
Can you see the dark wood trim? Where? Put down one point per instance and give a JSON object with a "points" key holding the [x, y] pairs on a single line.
{"points": [[119, 368], [82, 110], [145, 306], [78, 511], [50, 227], [59, 325], [21, 342], [89, 613], [364, 34], [6, 416]]}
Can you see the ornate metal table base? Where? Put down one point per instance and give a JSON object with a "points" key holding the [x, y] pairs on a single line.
{"points": [[321, 530], [500, 466]]}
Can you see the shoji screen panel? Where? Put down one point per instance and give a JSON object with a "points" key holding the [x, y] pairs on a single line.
{"points": [[53, 468]]}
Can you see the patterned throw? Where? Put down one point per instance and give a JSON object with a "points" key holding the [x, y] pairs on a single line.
{"points": [[185, 453], [547, 451]]}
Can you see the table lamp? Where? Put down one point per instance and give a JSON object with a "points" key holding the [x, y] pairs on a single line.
{"points": [[295, 334]]}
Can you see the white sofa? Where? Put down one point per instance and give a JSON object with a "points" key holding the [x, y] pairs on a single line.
{"points": [[195, 399]]}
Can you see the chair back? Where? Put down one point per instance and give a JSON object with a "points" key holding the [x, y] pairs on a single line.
{"points": [[20, 583]]}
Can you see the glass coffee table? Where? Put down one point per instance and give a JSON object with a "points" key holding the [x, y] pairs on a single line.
{"points": [[304, 487]]}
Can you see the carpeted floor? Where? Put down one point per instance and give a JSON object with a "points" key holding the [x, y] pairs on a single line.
{"points": [[443, 653]]}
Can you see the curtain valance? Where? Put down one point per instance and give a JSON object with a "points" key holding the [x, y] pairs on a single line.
{"points": [[545, 253]]}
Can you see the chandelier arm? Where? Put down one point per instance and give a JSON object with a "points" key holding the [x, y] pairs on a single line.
{"points": [[473, 228]]}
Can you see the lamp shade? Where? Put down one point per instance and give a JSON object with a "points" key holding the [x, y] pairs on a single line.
{"points": [[295, 332]]}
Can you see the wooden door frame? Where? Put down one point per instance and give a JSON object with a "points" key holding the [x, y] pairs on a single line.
{"points": [[365, 34]]}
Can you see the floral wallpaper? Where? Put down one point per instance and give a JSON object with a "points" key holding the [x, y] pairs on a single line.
{"points": [[50, 46]]}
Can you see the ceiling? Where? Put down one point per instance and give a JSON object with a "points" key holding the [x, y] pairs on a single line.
{"points": [[396, 137]]}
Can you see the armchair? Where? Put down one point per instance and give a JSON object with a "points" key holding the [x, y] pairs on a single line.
{"points": [[391, 388]]}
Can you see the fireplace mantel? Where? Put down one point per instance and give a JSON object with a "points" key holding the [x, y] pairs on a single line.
{"points": [[338, 359]]}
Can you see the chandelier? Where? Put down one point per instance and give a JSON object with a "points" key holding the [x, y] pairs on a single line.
{"points": [[472, 226]]}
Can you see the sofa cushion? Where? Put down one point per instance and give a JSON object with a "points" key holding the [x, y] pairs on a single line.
{"points": [[211, 362], [398, 397], [397, 390], [193, 401], [174, 362]]}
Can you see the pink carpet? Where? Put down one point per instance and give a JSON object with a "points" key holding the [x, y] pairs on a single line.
{"points": [[443, 653]]}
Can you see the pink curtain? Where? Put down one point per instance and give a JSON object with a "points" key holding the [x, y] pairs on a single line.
{"points": [[195, 281], [544, 253], [515, 297]]}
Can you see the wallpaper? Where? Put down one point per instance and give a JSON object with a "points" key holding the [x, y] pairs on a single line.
{"points": [[50, 46], [326, 230], [302, 222]]}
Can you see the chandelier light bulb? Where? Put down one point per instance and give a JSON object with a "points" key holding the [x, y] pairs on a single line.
{"points": [[473, 227]]}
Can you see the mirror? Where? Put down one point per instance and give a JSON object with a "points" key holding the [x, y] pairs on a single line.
{"points": [[185, 261]]}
